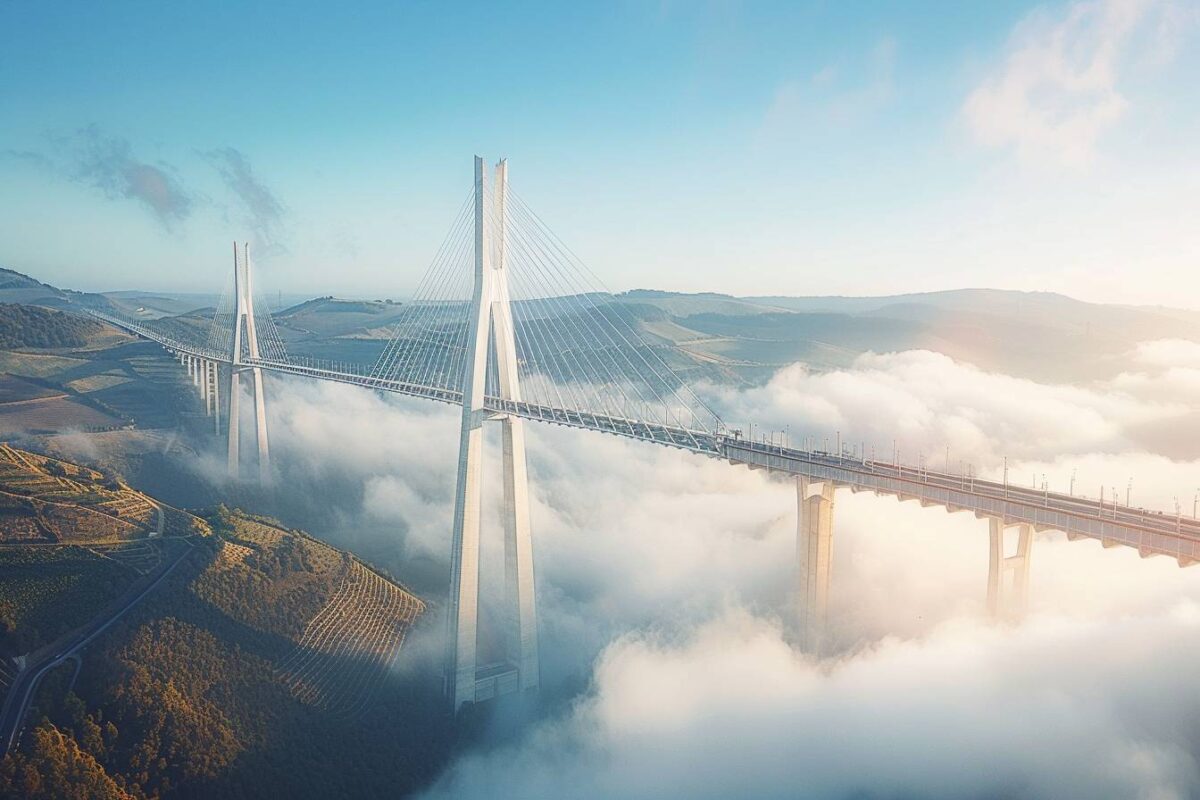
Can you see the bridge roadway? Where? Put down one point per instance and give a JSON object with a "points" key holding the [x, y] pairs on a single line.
{"points": [[1150, 532]]}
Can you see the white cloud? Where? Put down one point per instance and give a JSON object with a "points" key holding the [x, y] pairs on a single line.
{"points": [[926, 401], [1059, 88], [665, 586], [1056, 708], [1169, 353]]}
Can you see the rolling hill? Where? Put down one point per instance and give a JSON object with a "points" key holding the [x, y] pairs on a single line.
{"points": [[261, 665]]}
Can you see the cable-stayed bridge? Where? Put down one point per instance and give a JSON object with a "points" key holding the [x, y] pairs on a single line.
{"points": [[510, 326]]}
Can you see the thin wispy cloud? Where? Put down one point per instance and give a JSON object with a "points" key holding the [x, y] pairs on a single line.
{"points": [[1058, 90], [30, 157], [264, 211], [109, 164], [836, 94]]}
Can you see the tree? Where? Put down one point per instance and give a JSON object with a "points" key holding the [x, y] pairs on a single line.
{"points": [[55, 768]]}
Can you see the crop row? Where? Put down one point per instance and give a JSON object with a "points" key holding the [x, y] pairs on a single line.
{"points": [[348, 646], [141, 556]]}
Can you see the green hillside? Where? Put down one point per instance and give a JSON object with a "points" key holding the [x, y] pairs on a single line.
{"points": [[325, 317], [30, 326], [92, 376], [219, 685]]}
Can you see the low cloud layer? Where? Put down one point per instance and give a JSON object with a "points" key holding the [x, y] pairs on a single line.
{"points": [[666, 594], [1053, 709], [922, 402]]}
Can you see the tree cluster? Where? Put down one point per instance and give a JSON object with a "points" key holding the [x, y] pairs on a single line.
{"points": [[30, 326]]}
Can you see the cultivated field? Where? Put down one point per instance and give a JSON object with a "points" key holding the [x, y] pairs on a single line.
{"points": [[108, 384], [46, 500], [52, 414], [19, 390], [347, 648]]}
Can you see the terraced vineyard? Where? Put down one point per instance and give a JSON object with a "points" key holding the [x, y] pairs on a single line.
{"points": [[140, 556], [348, 646], [46, 499]]}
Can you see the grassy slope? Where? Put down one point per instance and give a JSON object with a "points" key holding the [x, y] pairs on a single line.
{"points": [[112, 381]]}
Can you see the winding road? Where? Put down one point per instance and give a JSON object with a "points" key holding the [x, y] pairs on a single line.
{"points": [[16, 702]]}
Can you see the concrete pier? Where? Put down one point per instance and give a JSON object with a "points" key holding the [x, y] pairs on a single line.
{"points": [[1008, 575], [814, 560]]}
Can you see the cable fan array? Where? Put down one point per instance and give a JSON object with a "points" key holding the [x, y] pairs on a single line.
{"points": [[220, 334], [429, 340], [579, 348], [270, 343]]}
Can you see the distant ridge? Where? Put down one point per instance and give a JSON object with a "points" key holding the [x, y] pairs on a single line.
{"points": [[993, 299], [11, 279], [17, 287]]}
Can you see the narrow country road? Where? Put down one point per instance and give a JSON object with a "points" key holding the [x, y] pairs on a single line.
{"points": [[16, 703]]}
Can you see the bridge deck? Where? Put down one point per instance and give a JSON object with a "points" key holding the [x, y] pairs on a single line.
{"points": [[1150, 532]]}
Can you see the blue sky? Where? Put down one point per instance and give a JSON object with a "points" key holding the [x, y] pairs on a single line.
{"points": [[757, 148]]}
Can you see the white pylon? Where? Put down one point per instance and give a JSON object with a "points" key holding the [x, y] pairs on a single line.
{"points": [[522, 639], [491, 309], [243, 319]]}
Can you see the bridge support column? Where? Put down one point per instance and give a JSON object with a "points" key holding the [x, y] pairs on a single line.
{"points": [[216, 397], [814, 560], [1008, 576], [243, 322], [464, 680], [234, 455], [202, 370], [260, 429]]}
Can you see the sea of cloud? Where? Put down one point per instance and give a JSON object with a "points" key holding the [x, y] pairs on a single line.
{"points": [[665, 586]]}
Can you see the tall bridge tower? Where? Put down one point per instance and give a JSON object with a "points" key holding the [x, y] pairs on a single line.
{"points": [[244, 326], [490, 340]]}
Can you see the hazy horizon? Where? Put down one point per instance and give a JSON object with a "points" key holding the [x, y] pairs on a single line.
{"points": [[776, 148], [293, 296]]}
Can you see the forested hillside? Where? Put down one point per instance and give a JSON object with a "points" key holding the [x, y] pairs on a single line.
{"points": [[188, 695], [30, 326]]}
